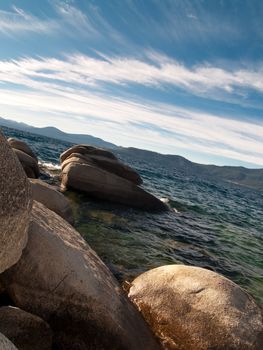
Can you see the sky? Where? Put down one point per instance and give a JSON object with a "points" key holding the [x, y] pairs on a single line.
{"points": [[174, 76]]}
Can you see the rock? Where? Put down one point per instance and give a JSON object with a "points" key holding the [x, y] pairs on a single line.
{"points": [[6, 344], [191, 308], [26, 331], [22, 146], [62, 280], [15, 206], [52, 199], [111, 165], [29, 164], [87, 150], [101, 184]]}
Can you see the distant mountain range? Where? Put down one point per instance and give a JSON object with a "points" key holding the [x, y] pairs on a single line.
{"points": [[240, 175], [57, 134]]}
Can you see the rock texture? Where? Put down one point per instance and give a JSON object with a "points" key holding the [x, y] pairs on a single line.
{"points": [[6, 344], [87, 150], [22, 146], [26, 331], [111, 165], [29, 164], [104, 185], [191, 308], [52, 199], [62, 280], [15, 205]]}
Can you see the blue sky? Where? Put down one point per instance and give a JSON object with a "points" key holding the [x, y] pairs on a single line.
{"points": [[173, 76]]}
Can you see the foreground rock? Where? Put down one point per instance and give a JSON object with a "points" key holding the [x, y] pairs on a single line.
{"points": [[62, 280], [191, 308], [26, 331], [101, 184], [5, 344], [21, 146], [52, 199], [15, 204]]}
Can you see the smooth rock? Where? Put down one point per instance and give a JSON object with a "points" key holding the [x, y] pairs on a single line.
{"points": [[15, 206], [22, 146], [24, 330], [5, 344], [62, 280], [29, 164], [101, 184], [52, 199], [87, 149], [111, 165], [191, 308]]}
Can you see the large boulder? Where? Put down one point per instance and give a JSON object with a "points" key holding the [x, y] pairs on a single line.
{"points": [[52, 199], [29, 164], [102, 184], [87, 150], [26, 331], [191, 308], [111, 165], [22, 146], [5, 344], [15, 206], [62, 280]]}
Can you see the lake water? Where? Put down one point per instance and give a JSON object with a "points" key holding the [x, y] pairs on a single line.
{"points": [[216, 225]]}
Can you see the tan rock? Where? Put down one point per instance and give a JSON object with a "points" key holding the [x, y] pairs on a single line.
{"points": [[22, 146], [191, 308], [62, 280], [87, 149], [24, 330], [52, 199], [101, 184], [111, 165], [15, 206], [29, 164], [5, 344]]}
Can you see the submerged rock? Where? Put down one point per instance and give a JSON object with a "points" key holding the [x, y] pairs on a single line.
{"points": [[191, 308], [26, 331], [15, 206], [104, 185], [52, 199], [62, 280], [5, 344]]}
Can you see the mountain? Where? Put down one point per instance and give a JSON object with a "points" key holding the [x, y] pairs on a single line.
{"points": [[58, 134], [252, 178]]}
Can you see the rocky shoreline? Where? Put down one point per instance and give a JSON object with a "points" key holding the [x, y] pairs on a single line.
{"points": [[56, 293]]}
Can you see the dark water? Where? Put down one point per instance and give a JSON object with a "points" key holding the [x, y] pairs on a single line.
{"points": [[217, 225]]}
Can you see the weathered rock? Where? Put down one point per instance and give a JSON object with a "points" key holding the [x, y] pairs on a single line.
{"points": [[88, 150], [22, 146], [111, 165], [29, 164], [101, 184], [24, 330], [62, 280], [191, 308], [15, 206], [52, 199], [5, 344]]}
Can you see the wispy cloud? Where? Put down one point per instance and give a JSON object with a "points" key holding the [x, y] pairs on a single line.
{"points": [[155, 71], [54, 88], [18, 21]]}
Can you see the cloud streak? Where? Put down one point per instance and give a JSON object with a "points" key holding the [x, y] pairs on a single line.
{"points": [[55, 88]]}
